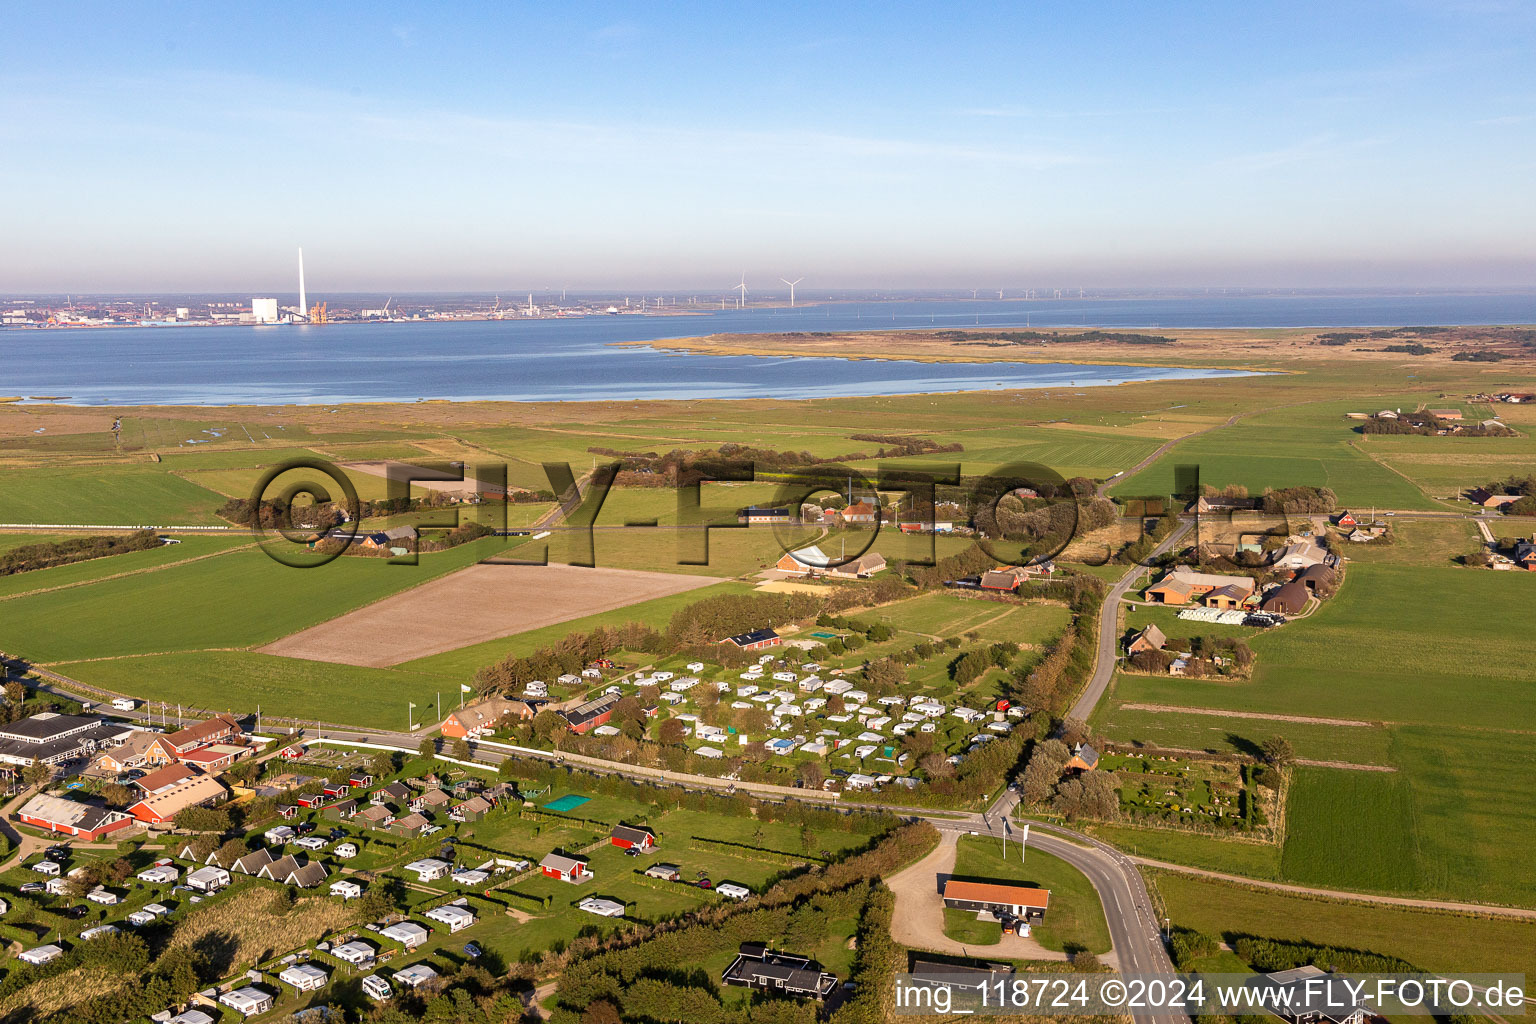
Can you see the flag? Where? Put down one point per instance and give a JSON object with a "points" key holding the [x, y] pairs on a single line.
{"points": [[412, 705], [465, 688]]}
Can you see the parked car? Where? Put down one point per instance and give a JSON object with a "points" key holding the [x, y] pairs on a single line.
{"points": [[705, 883], [30, 887], [471, 950], [77, 912]]}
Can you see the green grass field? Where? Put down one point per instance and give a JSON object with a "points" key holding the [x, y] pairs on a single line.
{"points": [[239, 599], [129, 562], [1429, 940], [1351, 829], [1426, 650], [237, 681], [117, 495]]}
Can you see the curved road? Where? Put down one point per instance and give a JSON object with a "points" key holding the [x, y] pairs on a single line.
{"points": [[1109, 628]]}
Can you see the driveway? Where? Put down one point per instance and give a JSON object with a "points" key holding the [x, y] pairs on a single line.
{"points": [[918, 922]]}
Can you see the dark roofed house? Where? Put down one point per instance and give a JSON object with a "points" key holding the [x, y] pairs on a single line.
{"points": [[769, 971], [1084, 759], [1311, 995], [588, 716], [1287, 599], [755, 640]]}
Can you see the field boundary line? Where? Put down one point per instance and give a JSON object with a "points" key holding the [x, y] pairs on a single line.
{"points": [[1261, 715], [1407, 902], [123, 575]]}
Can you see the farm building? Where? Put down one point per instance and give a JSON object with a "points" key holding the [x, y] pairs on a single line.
{"points": [[761, 968], [1020, 901], [812, 561], [1302, 553], [567, 869], [756, 640], [1183, 585], [482, 716], [1286, 599], [1316, 576], [627, 838], [71, 817]]}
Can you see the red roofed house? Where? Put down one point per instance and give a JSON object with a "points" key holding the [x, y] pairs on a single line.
{"points": [[1020, 901], [213, 730], [861, 512]]}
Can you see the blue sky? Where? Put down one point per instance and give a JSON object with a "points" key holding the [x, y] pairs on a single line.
{"points": [[501, 146]]}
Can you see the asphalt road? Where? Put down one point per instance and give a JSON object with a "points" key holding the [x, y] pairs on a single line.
{"points": [[1109, 629]]}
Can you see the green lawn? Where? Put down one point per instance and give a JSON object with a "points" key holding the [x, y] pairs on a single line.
{"points": [[1074, 918], [1429, 940], [963, 926], [237, 681], [131, 561], [1354, 830], [115, 495], [239, 599], [1255, 859]]}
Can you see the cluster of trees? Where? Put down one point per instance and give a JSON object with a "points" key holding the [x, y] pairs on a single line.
{"points": [[899, 446], [1298, 500], [1140, 549], [74, 549], [968, 667], [1427, 424], [1091, 795], [1049, 521], [1412, 348], [1203, 652], [1053, 337], [1480, 355]]}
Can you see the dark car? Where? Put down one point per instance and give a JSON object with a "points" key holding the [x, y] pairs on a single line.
{"points": [[633, 851], [77, 912], [304, 828], [136, 773], [338, 833], [471, 950]]}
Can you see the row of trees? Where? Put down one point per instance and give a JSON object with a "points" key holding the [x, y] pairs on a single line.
{"points": [[28, 557]]}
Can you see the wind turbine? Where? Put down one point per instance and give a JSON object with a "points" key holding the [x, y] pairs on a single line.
{"points": [[791, 289], [742, 301]]}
